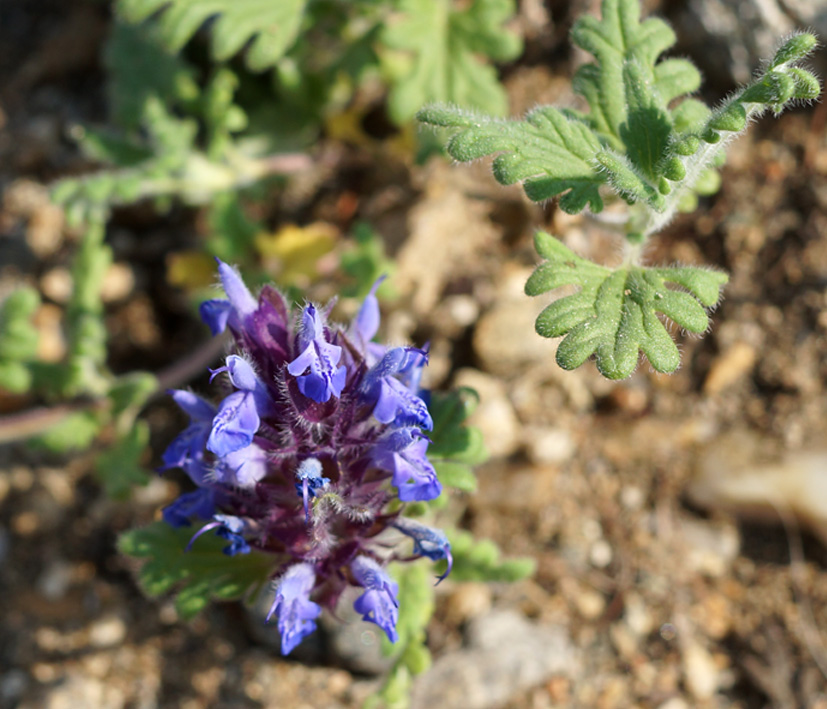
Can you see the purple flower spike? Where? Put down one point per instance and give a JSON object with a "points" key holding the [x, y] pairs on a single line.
{"points": [[189, 445], [227, 527], [378, 603], [310, 474], [239, 415], [297, 613], [324, 379], [427, 541], [402, 453], [304, 398]]}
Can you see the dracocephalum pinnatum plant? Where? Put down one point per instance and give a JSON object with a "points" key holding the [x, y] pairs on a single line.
{"points": [[642, 141]]}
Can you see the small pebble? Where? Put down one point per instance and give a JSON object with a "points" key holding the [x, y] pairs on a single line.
{"points": [[107, 632], [118, 282], [469, 600], [57, 285], [590, 604], [548, 445], [54, 581], [600, 554], [735, 363], [700, 672]]}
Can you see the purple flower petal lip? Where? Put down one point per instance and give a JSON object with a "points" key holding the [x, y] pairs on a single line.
{"points": [[238, 294], [244, 378], [411, 373], [197, 408], [199, 503], [296, 612], [215, 313], [393, 401], [366, 323], [402, 452], [395, 404], [235, 424], [189, 445], [242, 374], [242, 468], [324, 379], [378, 603], [428, 542]]}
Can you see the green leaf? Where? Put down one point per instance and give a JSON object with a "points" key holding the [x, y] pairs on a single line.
{"points": [[85, 371], [18, 335], [613, 315], [76, 432], [130, 392], [480, 560], [15, 377], [456, 447], [270, 28], [416, 601], [647, 129], [550, 152], [139, 67], [416, 606], [232, 232], [445, 43], [197, 576], [459, 476], [119, 467], [365, 262], [617, 40]]}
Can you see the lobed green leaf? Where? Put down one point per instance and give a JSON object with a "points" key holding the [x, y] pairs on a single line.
{"points": [[445, 44], [196, 576], [550, 152], [270, 28], [480, 560], [615, 40], [18, 335], [613, 315], [456, 447], [119, 467]]}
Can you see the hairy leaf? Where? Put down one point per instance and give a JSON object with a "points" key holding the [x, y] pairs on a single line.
{"points": [[456, 447], [614, 314], [693, 155], [119, 467], [619, 40], [365, 262], [446, 44], [196, 576], [270, 28], [139, 67], [480, 561], [18, 335], [550, 152], [76, 432]]}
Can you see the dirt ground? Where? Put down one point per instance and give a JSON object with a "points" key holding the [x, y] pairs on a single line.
{"points": [[679, 522]]}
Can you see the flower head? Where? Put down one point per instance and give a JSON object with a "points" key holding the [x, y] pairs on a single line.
{"points": [[319, 434]]}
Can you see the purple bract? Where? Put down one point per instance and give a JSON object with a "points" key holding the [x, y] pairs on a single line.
{"points": [[320, 434]]}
